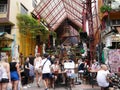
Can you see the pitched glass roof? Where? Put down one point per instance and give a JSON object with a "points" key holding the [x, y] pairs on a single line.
{"points": [[56, 11]]}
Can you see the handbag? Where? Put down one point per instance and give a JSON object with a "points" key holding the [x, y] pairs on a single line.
{"points": [[9, 86], [19, 85], [39, 70]]}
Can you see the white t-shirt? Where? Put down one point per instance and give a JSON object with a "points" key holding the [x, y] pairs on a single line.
{"points": [[101, 78], [46, 66], [95, 66], [38, 61], [55, 67], [69, 67]]}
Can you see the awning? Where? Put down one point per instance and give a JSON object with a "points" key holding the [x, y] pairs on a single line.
{"points": [[2, 33], [5, 36], [6, 49]]}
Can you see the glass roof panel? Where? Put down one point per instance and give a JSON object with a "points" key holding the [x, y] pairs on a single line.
{"points": [[54, 11], [59, 16]]}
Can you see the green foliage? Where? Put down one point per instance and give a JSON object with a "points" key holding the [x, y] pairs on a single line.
{"points": [[82, 51], [27, 24], [53, 33], [80, 30], [105, 8]]}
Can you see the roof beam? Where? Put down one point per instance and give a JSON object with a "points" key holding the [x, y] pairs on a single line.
{"points": [[58, 18], [72, 7], [58, 24], [42, 9], [69, 13], [36, 7], [77, 3], [74, 14], [57, 14], [74, 21], [53, 9]]}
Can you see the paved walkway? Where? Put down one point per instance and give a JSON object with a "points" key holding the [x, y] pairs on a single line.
{"points": [[77, 87]]}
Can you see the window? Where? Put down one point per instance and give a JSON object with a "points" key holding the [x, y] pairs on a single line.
{"points": [[34, 3], [23, 9], [1, 29], [116, 22], [5, 29], [3, 8]]}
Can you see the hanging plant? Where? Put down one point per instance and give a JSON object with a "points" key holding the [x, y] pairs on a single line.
{"points": [[105, 8]]}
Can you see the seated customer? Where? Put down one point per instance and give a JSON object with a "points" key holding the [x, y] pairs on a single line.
{"points": [[102, 80], [55, 68], [81, 69], [69, 67]]}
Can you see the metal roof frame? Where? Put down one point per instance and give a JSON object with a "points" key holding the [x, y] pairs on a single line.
{"points": [[54, 15]]}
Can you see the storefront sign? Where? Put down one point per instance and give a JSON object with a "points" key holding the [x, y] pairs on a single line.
{"points": [[115, 38]]}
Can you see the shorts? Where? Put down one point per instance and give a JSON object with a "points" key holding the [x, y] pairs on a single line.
{"points": [[72, 76], [46, 75], [4, 80], [14, 75], [39, 70]]}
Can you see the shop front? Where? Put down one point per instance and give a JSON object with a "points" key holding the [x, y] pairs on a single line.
{"points": [[5, 44]]}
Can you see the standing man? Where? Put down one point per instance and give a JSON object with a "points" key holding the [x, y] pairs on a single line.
{"points": [[31, 59], [46, 70]]}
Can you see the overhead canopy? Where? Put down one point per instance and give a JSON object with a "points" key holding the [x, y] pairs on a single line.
{"points": [[5, 36], [56, 11]]}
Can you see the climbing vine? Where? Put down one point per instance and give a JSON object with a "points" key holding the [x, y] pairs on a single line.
{"points": [[28, 25]]}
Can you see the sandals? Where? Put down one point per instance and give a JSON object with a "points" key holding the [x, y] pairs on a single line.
{"points": [[38, 85]]}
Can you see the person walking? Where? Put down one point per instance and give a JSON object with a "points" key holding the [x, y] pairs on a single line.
{"points": [[37, 68], [46, 71], [15, 73], [4, 73], [26, 72]]}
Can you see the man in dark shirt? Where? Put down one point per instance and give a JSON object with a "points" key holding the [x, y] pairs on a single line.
{"points": [[31, 59]]}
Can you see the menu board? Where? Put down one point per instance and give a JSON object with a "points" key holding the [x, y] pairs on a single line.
{"points": [[114, 60], [69, 65]]}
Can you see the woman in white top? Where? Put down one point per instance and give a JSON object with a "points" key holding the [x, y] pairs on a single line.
{"points": [[37, 63], [55, 68], [4, 73]]}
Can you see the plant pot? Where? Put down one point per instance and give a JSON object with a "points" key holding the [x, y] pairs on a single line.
{"points": [[105, 14]]}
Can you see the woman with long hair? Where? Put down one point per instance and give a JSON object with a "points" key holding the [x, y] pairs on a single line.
{"points": [[15, 73], [37, 68], [4, 73]]}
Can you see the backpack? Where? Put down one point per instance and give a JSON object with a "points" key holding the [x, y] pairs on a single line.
{"points": [[1, 72]]}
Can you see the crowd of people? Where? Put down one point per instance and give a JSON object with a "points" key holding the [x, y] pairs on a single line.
{"points": [[48, 69], [42, 68]]}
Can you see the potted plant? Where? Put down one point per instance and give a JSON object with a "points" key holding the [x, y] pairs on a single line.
{"points": [[105, 9]]}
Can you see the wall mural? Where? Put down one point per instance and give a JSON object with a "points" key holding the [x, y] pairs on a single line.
{"points": [[114, 60]]}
